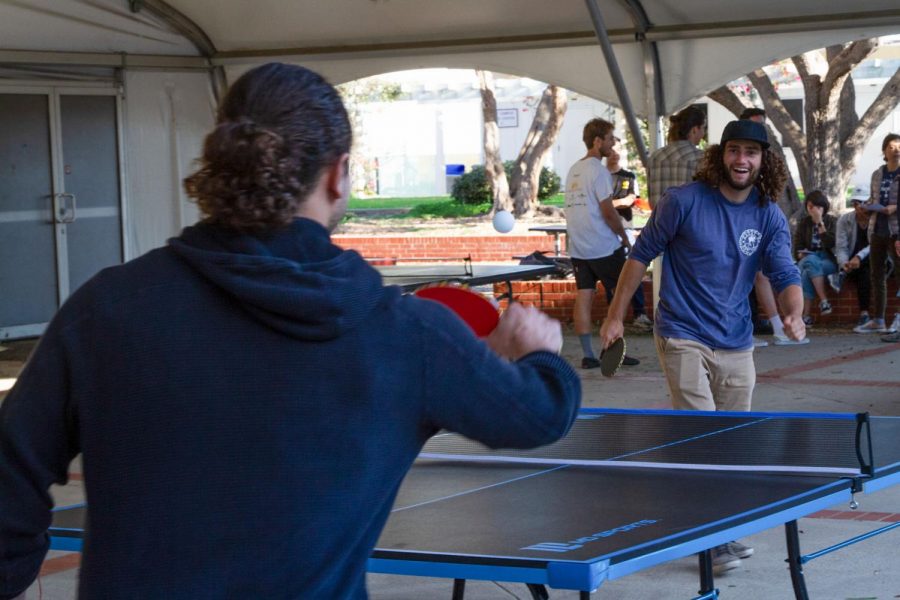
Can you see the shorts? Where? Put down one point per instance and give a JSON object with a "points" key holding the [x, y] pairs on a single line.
{"points": [[588, 271]]}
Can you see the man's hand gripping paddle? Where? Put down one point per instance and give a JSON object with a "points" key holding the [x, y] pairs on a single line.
{"points": [[478, 312], [611, 358]]}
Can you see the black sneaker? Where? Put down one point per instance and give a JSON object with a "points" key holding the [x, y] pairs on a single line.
{"points": [[630, 361], [589, 363]]}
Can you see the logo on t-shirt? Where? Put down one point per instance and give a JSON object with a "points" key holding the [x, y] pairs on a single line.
{"points": [[749, 241]]}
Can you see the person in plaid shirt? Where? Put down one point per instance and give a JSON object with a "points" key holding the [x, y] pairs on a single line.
{"points": [[676, 162]]}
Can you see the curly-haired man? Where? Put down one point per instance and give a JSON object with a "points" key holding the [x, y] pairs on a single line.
{"points": [[252, 384], [716, 233]]}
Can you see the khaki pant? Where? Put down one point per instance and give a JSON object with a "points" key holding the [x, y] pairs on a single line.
{"points": [[703, 379]]}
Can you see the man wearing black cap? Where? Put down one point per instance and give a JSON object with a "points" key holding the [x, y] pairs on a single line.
{"points": [[716, 232]]}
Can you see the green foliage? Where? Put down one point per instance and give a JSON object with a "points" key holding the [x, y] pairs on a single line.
{"points": [[473, 187], [369, 89], [391, 203], [555, 200]]}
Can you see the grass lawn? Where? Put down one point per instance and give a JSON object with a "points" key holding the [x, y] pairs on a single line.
{"points": [[376, 203], [430, 207]]}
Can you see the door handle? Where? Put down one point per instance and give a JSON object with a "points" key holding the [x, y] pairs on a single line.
{"points": [[64, 208]]}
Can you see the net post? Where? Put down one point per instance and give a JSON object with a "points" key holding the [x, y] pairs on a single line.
{"points": [[863, 423]]}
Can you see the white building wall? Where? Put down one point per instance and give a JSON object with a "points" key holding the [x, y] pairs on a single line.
{"points": [[413, 141]]}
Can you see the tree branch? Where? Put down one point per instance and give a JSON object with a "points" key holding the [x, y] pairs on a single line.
{"points": [[852, 54], [885, 103], [725, 96], [789, 129]]}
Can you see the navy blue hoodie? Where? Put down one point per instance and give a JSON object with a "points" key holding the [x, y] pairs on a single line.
{"points": [[246, 409]]}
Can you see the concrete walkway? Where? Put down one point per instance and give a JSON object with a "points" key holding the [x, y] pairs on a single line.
{"points": [[837, 372]]}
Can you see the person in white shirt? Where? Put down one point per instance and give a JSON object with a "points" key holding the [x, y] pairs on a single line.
{"points": [[597, 241]]}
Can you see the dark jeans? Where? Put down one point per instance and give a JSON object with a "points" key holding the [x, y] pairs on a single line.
{"points": [[880, 247], [862, 276]]}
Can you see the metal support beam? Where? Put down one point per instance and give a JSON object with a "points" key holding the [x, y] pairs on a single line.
{"points": [[654, 93], [191, 31], [616, 74]]}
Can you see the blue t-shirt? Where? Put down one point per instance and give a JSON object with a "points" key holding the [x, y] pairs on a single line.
{"points": [[713, 249]]}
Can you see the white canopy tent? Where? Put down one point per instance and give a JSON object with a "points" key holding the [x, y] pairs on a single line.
{"points": [[166, 62]]}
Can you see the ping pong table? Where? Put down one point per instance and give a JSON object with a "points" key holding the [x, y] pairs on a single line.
{"points": [[555, 231], [625, 490], [411, 277]]}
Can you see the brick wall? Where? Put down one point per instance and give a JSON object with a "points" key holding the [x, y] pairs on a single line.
{"points": [[559, 300], [558, 295], [488, 248]]}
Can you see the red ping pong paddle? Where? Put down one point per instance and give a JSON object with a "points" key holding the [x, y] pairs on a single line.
{"points": [[611, 358], [478, 312]]}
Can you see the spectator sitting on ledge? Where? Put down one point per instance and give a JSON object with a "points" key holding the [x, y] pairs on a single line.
{"points": [[814, 252], [851, 249]]}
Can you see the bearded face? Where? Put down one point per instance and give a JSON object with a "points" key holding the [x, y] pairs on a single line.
{"points": [[742, 160]]}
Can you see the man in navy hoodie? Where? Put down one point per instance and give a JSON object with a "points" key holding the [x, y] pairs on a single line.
{"points": [[247, 399]]}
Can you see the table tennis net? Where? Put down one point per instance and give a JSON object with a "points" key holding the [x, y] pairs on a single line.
{"points": [[763, 444]]}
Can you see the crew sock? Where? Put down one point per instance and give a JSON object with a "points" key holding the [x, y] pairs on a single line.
{"points": [[777, 326], [586, 347]]}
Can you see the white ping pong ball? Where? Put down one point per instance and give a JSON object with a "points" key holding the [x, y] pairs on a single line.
{"points": [[504, 221]]}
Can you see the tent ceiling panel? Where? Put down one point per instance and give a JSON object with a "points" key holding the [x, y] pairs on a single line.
{"points": [[273, 24], [98, 26], [580, 69], [702, 43], [693, 68]]}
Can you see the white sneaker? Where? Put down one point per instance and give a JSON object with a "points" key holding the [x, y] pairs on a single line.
{"points": [[783, 340], [872, 326], [836, 281], [895, 324], [643, 321], [758, 343]]}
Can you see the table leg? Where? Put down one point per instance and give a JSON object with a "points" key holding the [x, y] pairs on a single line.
{"points": [[707, 582], [459, 589], [538, 592], [794, 560]]}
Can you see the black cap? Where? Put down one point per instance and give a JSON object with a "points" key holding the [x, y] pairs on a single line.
{"points": [[746, 130]]}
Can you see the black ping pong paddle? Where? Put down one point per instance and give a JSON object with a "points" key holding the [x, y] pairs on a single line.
{"points": [[611, 358], [478, 312]]}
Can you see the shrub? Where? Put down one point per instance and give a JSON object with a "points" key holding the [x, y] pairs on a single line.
{"points": [[473, 187]]}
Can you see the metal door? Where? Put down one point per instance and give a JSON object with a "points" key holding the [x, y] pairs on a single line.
{"points": [[60, 199]]}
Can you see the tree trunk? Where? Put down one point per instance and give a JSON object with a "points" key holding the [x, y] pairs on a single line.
{"points": [[493, 163], [526, 171]]}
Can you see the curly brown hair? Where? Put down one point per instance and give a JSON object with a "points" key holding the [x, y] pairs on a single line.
{"points": [[277, 128], [773, 173]]}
